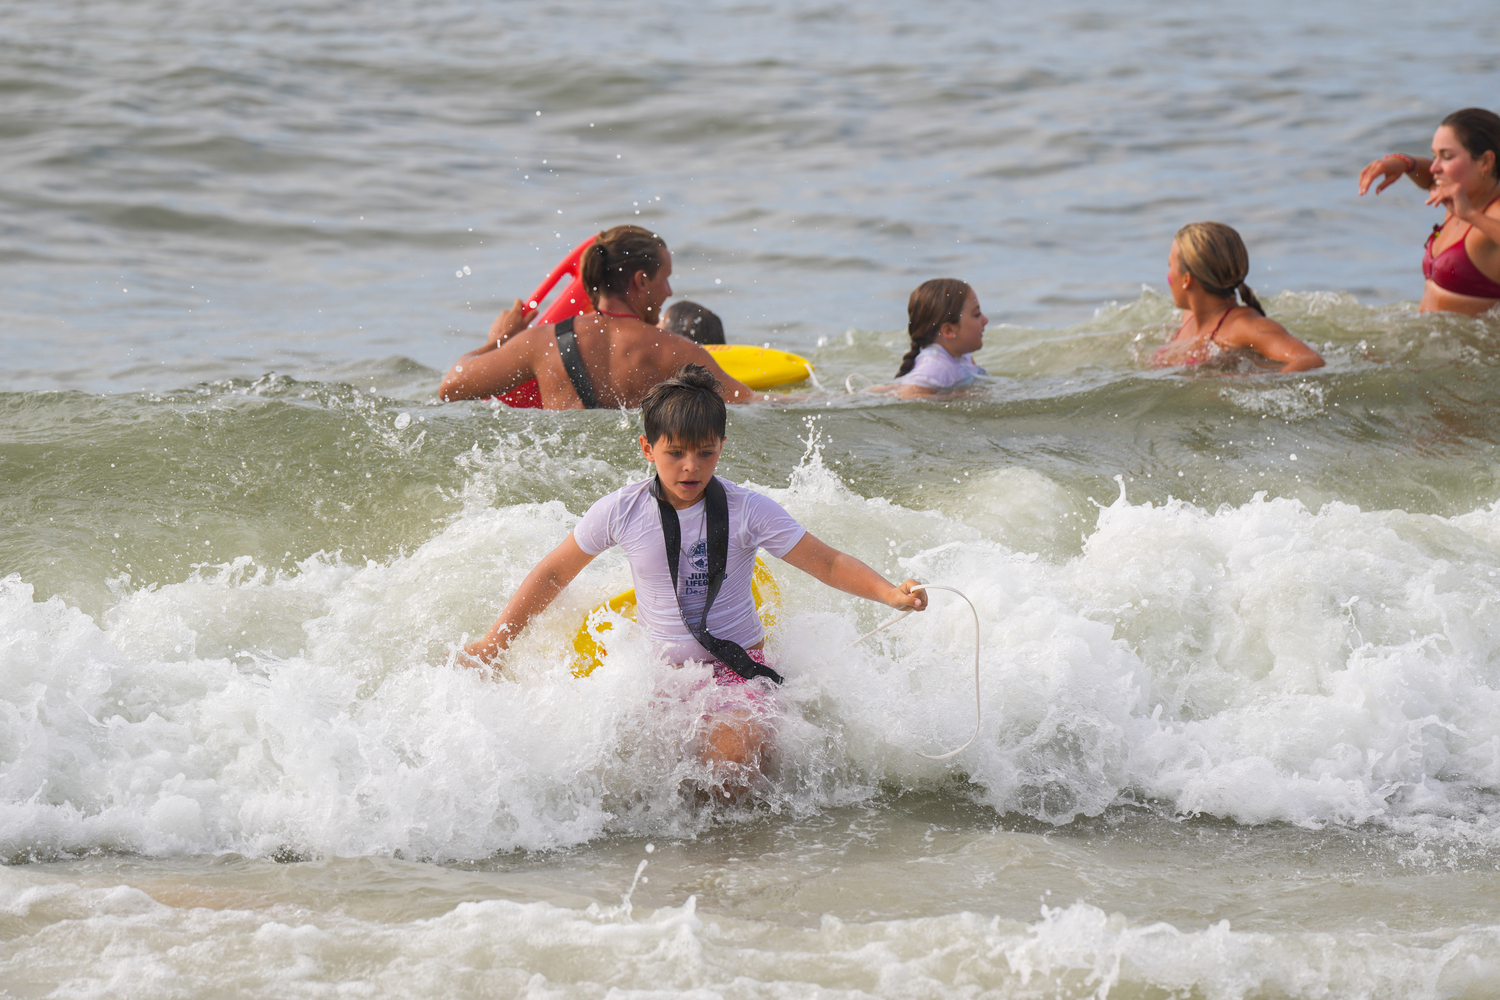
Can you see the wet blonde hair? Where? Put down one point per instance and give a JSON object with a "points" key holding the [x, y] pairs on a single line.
{"points": [[1214, 254]]}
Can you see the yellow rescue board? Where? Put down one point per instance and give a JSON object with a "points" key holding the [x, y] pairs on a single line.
{"points": [[759, 367], [586, 644]]}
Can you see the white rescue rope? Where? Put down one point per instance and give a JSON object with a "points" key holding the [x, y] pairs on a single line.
{"points": [[975, 613]]}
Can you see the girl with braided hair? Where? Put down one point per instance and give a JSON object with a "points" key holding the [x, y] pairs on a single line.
{"points": [[1206, 268], [946, 327]]}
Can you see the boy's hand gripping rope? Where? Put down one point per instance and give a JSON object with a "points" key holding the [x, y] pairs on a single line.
{"points": [[975, 613]]}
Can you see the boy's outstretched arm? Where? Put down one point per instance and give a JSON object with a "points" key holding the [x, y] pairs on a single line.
{"points": [[844, 572], [556, 570]]}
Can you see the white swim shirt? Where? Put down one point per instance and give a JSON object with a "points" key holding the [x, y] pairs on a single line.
{"points": [[935, 368], [629, 518]]}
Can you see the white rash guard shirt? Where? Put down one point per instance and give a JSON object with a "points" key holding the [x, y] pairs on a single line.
{"points": [[629, 518], [935, 368]]}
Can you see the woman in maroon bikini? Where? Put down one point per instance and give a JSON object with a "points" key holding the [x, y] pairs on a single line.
{"points": [[1462, 261], [1206, 268]]}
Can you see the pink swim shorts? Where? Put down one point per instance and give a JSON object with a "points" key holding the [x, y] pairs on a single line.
{"points": [[724, 673], [741, 693]]}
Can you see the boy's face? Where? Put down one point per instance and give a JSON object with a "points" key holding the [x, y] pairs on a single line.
{"points": [[684, 470]]}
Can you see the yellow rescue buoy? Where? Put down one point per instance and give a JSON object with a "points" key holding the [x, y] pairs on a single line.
{"points": [[759, 367], [586, 643]]}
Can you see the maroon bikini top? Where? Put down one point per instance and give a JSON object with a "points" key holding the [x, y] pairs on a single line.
{"points": [[1201, 351], [1453, 270]]}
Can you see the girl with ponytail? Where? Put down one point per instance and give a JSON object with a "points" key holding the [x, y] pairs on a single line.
{"points": [[946, 328], [1206, 268]]}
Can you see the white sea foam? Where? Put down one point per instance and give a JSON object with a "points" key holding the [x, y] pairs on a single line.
{"points": [[1262, 663], [498, 947]]}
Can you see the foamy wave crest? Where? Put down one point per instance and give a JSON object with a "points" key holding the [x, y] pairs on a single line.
{"points": [[1262, 663]]}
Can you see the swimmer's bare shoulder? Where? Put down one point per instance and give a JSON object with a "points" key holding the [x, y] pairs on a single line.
{"points": [[1249, 329]]}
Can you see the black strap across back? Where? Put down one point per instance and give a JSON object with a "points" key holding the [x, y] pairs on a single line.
{"points": [[567, 346], [716, 510]]}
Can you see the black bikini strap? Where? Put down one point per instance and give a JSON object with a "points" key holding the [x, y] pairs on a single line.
{"points": [[567, 346], [716, 510]]}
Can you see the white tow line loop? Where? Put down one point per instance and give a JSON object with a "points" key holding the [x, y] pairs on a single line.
{"points": [[973, 611]]}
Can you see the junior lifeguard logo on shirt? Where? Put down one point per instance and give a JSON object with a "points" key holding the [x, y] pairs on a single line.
{"points": [[697, 559]]}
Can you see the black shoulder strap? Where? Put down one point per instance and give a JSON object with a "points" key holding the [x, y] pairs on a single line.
{"points": [[567, 346], [716, 510]]}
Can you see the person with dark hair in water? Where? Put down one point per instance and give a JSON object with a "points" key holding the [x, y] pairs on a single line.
{"points": [[609, 358], [946, 327], [697, 323], [1206, 268], [1462, 258], [692, 540]]}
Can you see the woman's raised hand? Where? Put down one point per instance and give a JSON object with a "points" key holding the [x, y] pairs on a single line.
{"points": [[510, 323], [1392, 167], [1451, 195]]}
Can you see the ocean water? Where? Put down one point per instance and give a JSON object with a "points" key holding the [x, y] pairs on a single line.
{"points": [[1239, 653]]}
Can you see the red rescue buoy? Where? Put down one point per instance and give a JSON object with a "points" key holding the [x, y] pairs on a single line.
{"points": [[574, 301]]}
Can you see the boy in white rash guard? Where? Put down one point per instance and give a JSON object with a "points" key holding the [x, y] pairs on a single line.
{"points": [[701, 608], [946, 327]]}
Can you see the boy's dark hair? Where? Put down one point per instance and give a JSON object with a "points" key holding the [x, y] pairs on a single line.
{"points": [[685, 408], [695, 322]]}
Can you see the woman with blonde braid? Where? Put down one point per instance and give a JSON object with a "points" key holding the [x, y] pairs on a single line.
{"points": [[1206, 267], [946, 328]]}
